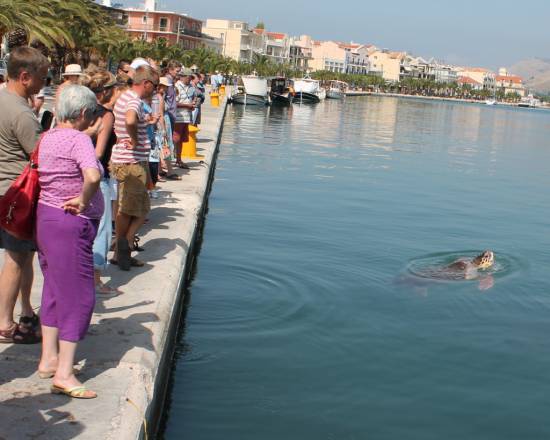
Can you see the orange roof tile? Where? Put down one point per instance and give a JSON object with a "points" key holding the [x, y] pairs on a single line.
{"points": [[468, 80], [509, 78], [276, 35]]}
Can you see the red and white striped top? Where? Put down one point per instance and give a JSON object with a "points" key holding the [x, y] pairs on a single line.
{"points": [[130, 101]]}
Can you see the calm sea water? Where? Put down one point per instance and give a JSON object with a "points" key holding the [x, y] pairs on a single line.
{"points": [[307, 316]]}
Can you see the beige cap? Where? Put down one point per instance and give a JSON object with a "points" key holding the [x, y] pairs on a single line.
{"points": [[165, 81], [72, 70]]}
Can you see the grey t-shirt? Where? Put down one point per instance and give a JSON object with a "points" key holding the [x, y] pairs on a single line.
{"points": [[19, 131]]}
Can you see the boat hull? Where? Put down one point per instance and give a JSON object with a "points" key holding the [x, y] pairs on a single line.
{"points": [[281, 99], [306, 98], [335, 94], [247, 99]]}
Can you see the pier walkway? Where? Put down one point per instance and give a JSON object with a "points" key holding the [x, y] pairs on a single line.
{"points": [[125, 357]]}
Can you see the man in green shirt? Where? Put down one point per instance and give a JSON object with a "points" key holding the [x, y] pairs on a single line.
{"points": [[19, 132]]}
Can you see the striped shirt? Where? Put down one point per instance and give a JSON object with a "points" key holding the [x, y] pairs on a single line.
{"points": [[130, 101]]}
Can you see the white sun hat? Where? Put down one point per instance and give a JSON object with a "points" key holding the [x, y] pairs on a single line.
{"points": [[72, 70], [138, 62]]}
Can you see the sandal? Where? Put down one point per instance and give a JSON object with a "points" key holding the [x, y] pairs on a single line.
{"points": [[80, 392], [136, 247], [134, 262], [31, 323], [14, 335], [6, 336], [104, 289], [173, 177], [182, 165]]}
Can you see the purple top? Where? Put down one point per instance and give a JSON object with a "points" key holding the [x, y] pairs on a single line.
{"points": [[171, 99], [63, 154]]}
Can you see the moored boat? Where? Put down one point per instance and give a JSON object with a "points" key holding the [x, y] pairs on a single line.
{"points": [[253, 91], [281, 91], [529, 102], [337, 89], [308, 91]]}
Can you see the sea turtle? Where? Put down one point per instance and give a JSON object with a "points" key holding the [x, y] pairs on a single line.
{"points": [[463, 268], [468, 268]]}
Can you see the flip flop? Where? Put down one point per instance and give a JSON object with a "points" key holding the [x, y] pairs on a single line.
{"points": [[104, 289], [75, 392]]}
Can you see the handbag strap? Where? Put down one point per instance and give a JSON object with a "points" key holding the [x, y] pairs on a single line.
{"points": [[34, 155]]}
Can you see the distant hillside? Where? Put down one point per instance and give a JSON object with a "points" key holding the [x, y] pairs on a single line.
{"points": [[535, 73]]}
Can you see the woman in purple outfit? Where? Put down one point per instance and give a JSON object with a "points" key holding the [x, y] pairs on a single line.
{"points": [[69, 210]]}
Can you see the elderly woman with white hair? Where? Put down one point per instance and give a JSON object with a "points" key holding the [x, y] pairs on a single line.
{"points": [[69, 209]]}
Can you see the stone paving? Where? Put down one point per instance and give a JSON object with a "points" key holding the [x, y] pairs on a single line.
{"points": [[124, 357]]}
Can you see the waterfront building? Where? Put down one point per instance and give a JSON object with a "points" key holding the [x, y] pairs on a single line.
{"points": [[238, 41], [276, 45], [357, 58], [444, 73], [328, 55], [301, 52], [466, 80], [417, 68], [479, 75], [148, 23], [340, 57], [389, 65], [509, 84]]}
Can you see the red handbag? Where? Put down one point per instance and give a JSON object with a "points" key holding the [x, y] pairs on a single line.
{"points": [[18, 206]]}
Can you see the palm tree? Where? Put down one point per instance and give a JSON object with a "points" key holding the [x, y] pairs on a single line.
{"points": [[44, 21]]}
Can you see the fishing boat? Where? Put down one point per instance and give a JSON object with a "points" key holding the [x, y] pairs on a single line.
{"points": [[337, 89], [281, 91], [529, 102], [252, 90], [490, 102], [308, 91]]}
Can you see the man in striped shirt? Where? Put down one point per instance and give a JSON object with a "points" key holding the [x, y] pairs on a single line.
{"points": [[129, 163]]}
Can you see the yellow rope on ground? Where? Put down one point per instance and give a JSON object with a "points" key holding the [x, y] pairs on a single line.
{"points": [[144, 421]]}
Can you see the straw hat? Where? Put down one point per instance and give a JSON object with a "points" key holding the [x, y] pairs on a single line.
{"points": [[72, 70], [165, 81]]}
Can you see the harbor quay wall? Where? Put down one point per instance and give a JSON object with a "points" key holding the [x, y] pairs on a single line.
{"points": [[127, 355]]}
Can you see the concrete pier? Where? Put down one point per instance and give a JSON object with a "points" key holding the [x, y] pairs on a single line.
{"points": [[126, 356]]}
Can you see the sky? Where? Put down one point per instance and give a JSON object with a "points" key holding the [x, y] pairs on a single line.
{"points": [[480, 33]]}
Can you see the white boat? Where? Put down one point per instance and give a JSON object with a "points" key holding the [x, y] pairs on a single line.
{"points": [[252, 92], [529, 102], [490, 102], [337, 89], [308, 90]]}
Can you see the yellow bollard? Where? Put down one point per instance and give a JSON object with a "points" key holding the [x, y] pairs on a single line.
{"points": [[214, 99], [189, 148], [222, 89]]}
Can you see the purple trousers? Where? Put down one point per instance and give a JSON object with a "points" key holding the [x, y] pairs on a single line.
{"points": [[65, 254]]}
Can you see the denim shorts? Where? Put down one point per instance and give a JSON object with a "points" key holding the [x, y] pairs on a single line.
{"points": [[10, 243]]}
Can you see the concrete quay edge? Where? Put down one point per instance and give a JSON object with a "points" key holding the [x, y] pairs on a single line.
{"points": [[127, 355]]}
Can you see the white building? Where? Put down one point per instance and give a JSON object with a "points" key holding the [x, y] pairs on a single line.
{"points": [[238, 41]]}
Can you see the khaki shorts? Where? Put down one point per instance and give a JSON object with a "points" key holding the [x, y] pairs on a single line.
{"points": [[133, 198]]}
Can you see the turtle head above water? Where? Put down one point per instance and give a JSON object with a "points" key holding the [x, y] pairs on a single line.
{"points": [[484, 260]]}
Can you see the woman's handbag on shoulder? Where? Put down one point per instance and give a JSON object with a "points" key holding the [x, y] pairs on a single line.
{"points": [[18, 206]]}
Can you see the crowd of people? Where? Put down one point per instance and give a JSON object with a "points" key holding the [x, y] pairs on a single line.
{"points": [[101, 152]]}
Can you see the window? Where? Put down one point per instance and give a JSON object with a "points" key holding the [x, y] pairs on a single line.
{"points": [[144, 19], [163, 24]]}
